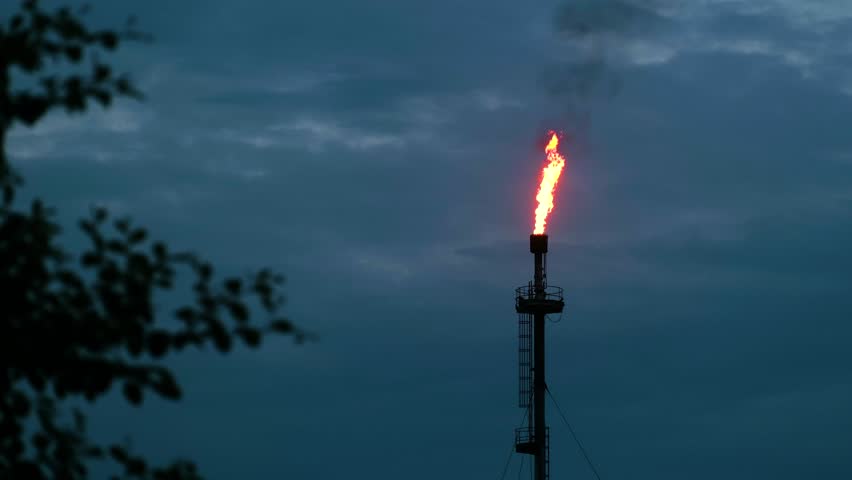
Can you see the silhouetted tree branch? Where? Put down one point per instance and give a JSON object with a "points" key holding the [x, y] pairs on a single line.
{"points": [[77, 324]]}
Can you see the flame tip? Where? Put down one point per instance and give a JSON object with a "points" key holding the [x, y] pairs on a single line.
{"points": [[549, 178], [553, 143]]}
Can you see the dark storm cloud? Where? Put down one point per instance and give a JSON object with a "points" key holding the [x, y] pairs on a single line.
{"points": [[592, 36], [617, 17]]}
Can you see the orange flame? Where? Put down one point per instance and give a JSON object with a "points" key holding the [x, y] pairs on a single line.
{"points": [[549, 178]]}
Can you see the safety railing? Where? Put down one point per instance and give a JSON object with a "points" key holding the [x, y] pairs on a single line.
{"points": [[528, 292]]}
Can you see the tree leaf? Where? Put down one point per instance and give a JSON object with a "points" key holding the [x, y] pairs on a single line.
{"points": [[90, 259], [137, 236], [238, 311], [187, 314], [233, 286], [109, 40], [167, 386], [133, 393], [119, 453], [250, 336], [282, 326], [158, 343]]}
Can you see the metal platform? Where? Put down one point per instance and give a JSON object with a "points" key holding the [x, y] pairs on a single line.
{"points": [[525, 442], [549, 300]]}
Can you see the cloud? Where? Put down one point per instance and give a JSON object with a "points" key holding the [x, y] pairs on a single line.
{"points": [[588, 18], [382, 266], [818, 16], [413, 121], [644, 52], [120, 118], [493, 101], [60, 132], [318, 134], [262, 86], [600, 39], [745, 46], [594, 36]]}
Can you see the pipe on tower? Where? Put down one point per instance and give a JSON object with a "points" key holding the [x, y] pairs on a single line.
{"points": [[538, 246]]}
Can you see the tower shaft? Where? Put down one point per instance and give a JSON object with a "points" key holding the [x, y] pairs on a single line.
{"points": [[539, 386], [534, 302]]}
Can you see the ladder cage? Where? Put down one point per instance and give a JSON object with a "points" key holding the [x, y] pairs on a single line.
{"points": [[525, 346]]}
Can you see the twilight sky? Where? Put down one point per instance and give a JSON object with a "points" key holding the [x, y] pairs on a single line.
{"points": [[384, 155]]}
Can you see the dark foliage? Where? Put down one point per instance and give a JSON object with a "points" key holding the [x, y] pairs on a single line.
{"points": [[79, 324]]}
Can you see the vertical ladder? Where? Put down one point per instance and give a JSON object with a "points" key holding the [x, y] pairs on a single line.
{"points": [[547, 453], [524, 359]]}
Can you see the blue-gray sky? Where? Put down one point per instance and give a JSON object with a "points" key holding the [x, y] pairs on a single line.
{"points": [[384, 156]]}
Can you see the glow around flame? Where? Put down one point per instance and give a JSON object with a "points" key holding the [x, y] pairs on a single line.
{"points": [[549, 178]]}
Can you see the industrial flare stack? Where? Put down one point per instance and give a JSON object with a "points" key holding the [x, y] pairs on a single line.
{"points": [[533, 302]]}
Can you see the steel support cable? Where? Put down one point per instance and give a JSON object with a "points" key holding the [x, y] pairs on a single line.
{"points": [[508, 461], [573, 435]]}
